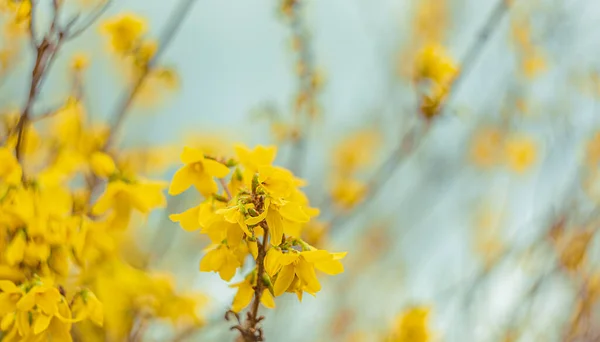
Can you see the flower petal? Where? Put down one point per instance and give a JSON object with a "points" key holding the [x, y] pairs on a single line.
{"points": [[284, 280]]}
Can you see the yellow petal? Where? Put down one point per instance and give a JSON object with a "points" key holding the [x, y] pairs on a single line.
{"points": [[107, 199], [243, 297], [317, 256], [251, 221], [191, 155], [284, 279], [253, 247], [189, 219], [8, 287], [306, 273], [27, 302], [229, 267], [16, 249], [7, 303], [272, 264], [48, 301], [212, 261], [275, 223], [267, 299], [102, 164], [288, 258], [205, 184], [293, 212], [182, 180], [7, 321], [332, 267], [41, 323], [214, 168], [234, 235]]}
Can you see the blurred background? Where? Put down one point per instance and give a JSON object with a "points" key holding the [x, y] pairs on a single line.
{"points": [[451, 146]]}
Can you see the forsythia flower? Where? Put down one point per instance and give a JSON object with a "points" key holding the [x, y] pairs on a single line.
{"points": [[37, 311], [412, 326], [122, 197], [198, 171], [262, 214], [296, 270], [245, 293], [435, 65], [222, 260], [125, 32], [521, 153]]}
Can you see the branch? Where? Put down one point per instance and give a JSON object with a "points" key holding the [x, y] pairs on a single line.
{"points": [[391, 164], [90, 20], [174, 24]]}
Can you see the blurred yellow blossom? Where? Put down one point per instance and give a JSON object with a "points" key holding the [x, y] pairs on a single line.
{"points": [[521, 152]]}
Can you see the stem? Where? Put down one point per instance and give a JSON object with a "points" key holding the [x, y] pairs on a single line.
{"points": [[252, 332], [224, 185]]}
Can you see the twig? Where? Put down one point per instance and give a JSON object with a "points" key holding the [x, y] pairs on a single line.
{"points": [[390, 165], [475, 49], [91, 19], [175, 22], [306, 87], [224, 185]]}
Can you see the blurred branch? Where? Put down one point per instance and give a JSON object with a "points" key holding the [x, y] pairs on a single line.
{"points": [[307, 89], [91, 19], [174, 24], [476, 48], [409, 143]]}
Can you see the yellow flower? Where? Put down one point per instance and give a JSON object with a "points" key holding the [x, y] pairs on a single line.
{"points": [[356, 151], [245, 293], [347, 193], [222, 260], [277, 181], [412, 326], [86, 305], [198, 171], [433, 64], [15, 252], [125, 31], [39, 313], [259, 156], [80, 62], [122, 198], [102, 164], [296, 270], [521, 153]]}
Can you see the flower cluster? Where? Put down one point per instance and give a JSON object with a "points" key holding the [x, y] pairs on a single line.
{"points": [[434, 66], [412, 326], [260, 211], [68, 198], [127, 34]]}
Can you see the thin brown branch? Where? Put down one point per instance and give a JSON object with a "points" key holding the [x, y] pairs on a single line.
{"points": [[251, 330]]}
